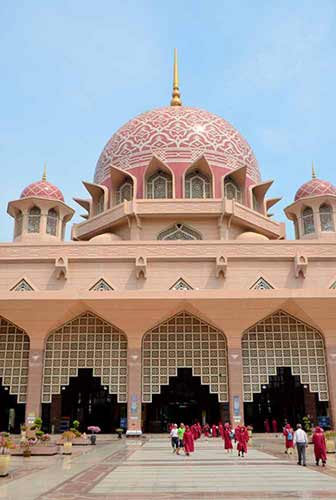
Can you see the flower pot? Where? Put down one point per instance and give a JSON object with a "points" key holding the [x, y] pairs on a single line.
{"points": [[4, 465], [67, 448], [27, 452], [93, 439], [330, 445]]}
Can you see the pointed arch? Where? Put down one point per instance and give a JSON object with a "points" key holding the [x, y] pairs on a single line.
{"points": [[14, 357], [308, 220], [281, 340], [326, 217], [179, 231], [86, 341], [159, 180], [184, 341], [34, 220], [198, 180], [52, 221], [23, 285], [123, 186]]}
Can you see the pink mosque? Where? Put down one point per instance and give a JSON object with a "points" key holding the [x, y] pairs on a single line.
{"points": [[178, 297]]}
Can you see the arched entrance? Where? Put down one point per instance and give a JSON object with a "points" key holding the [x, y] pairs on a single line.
{"points": [[85, 375], [284, 371], [184, 372], [14, 361]]}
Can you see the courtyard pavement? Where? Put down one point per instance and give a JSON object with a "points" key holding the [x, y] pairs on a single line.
{"points": [[147, 470]]}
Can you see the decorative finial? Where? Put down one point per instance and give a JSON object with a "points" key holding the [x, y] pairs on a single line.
{"points": [[44, 176], [176, 96], [313, 171]]}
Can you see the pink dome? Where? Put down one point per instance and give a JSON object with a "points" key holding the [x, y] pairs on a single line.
{"points": [[315, 187], [176, 134], [42, 189]]}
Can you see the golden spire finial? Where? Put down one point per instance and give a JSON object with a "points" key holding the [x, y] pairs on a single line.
{"points": [[313, 171], [44, 176], [176, 96]]}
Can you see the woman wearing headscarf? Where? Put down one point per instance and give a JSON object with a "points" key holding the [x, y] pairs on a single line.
{"points": [[288, 432], [214, 431], [221, 429], [242, 439], [206, 430], [227, 434], [320, 448], [188, 441]]}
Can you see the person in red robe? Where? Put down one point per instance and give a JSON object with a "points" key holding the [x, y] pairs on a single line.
{"points": [[206, 430], [199, 429], [188, 441], [288, 432], [267, 426], [221, 429], [214, 431], [320, 447], [274, 425], [227, 439], [242, 439], [194, 431]]}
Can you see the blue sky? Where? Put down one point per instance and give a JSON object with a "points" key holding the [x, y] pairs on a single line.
{"points": [[72, 72]]}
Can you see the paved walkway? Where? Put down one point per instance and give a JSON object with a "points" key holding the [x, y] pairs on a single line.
{"points": [[147, 470]]}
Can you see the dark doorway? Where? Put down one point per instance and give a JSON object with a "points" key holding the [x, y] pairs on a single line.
{"points": [[86, 400], [284, 399], [12, 414], [185, 400]]}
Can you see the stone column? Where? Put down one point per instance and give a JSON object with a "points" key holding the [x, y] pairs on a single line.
{"points": [[330, 345], [134, 403], [34, 388], [236, 405]]}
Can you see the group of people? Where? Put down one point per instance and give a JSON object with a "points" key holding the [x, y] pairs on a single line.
{"points": [[299, 439], [184, 436]]}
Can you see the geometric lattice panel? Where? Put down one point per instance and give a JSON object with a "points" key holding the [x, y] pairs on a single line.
{"points": [[181, 285], [86, 342], [184, 341], [261, 284], [101, 286], [280, 340], [22, 286], [14, 359]]}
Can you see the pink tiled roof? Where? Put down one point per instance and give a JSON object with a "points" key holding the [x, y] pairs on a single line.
{"points": [[315, 187], [42, 189]]}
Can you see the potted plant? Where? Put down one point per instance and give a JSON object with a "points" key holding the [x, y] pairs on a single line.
{"points": [[94, 429], [330, 441], [74, 428], [68, 437], [26, 444], [119, 431], [24, 429], [6, 443]]}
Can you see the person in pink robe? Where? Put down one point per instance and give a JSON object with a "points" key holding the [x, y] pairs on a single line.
{"points": [[267, 426], [221, 429], [199, 429], [214, 431], [227, 439], [188, 441], [320, 447], [194, 431], [242, 440], [274, 425], [206, 430], [288, 432]]}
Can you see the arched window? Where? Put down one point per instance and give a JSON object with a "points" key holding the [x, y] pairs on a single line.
{"points": [[179, 232], [197, 185], [308, 221], [34, 220], [231, 190], [52, 222], [125, 192], [18, 223], [100, 204], [327, 218], [159, 185]]}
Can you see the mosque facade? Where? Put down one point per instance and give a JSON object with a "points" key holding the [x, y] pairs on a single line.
{"points": [[178, 297]]}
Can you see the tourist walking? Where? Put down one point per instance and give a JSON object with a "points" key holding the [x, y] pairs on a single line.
{"points": [[227, 437], [174, 437], [301, 443], [288, 432], [320, 447], [188, 441], [242, 438], [180, 434]]}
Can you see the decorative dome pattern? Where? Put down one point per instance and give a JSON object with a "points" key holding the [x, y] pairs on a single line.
{"points": [[177, 134], [315, 187], [42, 189]]}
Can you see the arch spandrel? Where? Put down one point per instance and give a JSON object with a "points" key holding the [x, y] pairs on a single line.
{"points": [[87, 341], [281, 340], [184, 341], [14, 359]]}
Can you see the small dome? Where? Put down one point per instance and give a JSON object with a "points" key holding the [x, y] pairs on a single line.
{"points": [[42, 189], [105, 238], [250, 235], [315, 187]]}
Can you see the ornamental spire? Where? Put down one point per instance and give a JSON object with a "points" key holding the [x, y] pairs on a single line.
{"points": [[313, 171], [176, 96], [44, 176]]}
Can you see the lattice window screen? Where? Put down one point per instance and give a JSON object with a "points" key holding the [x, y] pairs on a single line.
{"points": [[86, 342], [181, 285], [184, 341], [101, 286], [14, 359], [261, 284], [280, 340], [22, 286]]}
